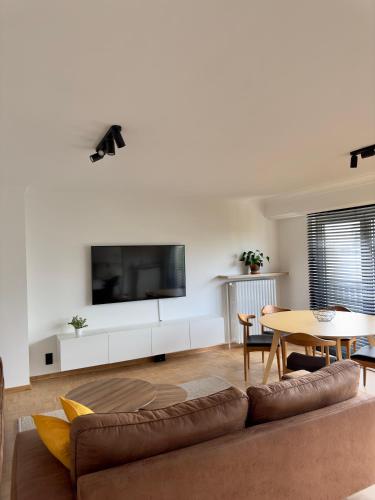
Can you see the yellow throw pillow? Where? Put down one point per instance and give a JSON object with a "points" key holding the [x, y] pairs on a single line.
{"points": [[55, 434], [73, 409]]}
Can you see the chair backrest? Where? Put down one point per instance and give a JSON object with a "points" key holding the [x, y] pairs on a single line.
{"points": [[306, 340], [244, 321], [270, 309], [340, 308]]}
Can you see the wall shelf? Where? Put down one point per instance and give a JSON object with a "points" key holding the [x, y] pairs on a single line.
{"points": [[260, 276]]}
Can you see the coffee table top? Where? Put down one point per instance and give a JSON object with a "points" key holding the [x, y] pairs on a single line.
{"points": [[126, 395], [114, 394], [166, 395]]}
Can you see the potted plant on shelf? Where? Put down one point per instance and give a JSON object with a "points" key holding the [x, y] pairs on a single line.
{"points": [[253, 260], [78, 324]]}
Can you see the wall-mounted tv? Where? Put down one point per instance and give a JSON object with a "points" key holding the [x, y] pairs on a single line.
{"points": [[140, 272]]}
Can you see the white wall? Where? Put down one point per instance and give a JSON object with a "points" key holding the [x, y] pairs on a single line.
{"points": [[13, 304], [292, 247], [342, 195], [61, 226]]}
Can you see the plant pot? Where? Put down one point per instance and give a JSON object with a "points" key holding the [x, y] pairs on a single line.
{"points": [[78, 331], [255, 269]]}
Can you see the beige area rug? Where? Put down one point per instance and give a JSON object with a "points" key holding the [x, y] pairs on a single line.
{"points": [[194, 389]]}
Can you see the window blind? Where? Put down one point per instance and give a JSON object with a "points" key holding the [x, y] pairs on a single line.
{"points": [[341, 257]]}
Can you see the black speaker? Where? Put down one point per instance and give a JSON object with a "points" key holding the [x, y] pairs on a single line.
{"points": [[159, 358]]}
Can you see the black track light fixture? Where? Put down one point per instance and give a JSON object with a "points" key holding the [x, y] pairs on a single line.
{"points": [[353, 161], [107, 144], [116, 130], [365, 152], [97, 156], [110, 145]]}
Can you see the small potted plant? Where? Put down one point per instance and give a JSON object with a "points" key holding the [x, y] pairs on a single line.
{"points": [[253, 260], [78, 324]]}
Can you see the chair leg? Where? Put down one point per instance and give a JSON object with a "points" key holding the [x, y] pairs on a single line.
{"points": [[284, 355], [245, 369], [364, 376], [348, 350], [355, 344], [262, 356], [248, 360], [278, 362]]}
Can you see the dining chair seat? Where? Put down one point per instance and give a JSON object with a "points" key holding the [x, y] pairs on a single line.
{"points": [[366, 353], [259, 340], [365, 357], [298, 361]]}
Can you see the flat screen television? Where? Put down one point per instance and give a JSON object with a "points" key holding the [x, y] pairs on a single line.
{"points": [[130, 273]]}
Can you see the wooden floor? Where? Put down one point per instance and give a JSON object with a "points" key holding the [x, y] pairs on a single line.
{"points": [[44, 393]]}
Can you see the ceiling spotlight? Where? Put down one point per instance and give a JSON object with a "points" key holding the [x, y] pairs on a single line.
{"points": [[365, 152], [97, 156], [353, 161], [120, 143], [107, 144], [110, 145]]}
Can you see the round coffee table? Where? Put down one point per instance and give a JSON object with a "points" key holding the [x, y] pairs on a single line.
{"points": [[126, 395], [166, 395], [114, 394]]}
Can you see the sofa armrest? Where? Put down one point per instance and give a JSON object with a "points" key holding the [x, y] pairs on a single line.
{"points": [[326, 453]]}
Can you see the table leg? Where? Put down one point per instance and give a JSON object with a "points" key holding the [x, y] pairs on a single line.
{"points": [[371, 340], [338, 350], [271, 356]]}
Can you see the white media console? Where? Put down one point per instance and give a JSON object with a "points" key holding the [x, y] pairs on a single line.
{"points": [[132, 342]]}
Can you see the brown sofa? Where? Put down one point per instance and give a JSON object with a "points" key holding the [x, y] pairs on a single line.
{"points": [[310, 438]]}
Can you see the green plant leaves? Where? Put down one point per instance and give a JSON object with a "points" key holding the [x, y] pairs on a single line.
{"points": [[253, 258]]}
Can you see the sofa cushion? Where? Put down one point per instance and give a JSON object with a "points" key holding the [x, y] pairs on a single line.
{"points": [[100, 441], [325, 387], [298, 361], [36, 473]]}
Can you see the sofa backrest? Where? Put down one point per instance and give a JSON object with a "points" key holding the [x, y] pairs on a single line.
{"points": [[327, 453], [330, 385], [100, 441]]}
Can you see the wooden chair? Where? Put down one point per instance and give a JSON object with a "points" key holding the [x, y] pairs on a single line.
{"points": [[365, 357], [347, 342], [303, 361], [253, 343], [269, 309]]}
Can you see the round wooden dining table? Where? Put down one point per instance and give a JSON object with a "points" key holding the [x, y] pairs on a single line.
{"points": [[343, 325]]}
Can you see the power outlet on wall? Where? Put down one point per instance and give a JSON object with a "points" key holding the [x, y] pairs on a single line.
{"points": [[49, 358]]}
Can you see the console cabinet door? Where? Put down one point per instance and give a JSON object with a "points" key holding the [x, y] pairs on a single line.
{"points": [[81, 352], [171, 337], [205, 332], [129, 344]]}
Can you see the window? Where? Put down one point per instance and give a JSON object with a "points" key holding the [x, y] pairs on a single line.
{"points": [[341, 251]]}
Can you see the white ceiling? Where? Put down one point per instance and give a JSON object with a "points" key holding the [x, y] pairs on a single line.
{"points": [[217, 97]]}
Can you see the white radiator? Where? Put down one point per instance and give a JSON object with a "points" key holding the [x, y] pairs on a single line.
{"points": [[248, 296]]}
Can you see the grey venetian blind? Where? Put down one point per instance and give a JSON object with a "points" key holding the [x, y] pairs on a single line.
{"points": [[341, 252]]}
